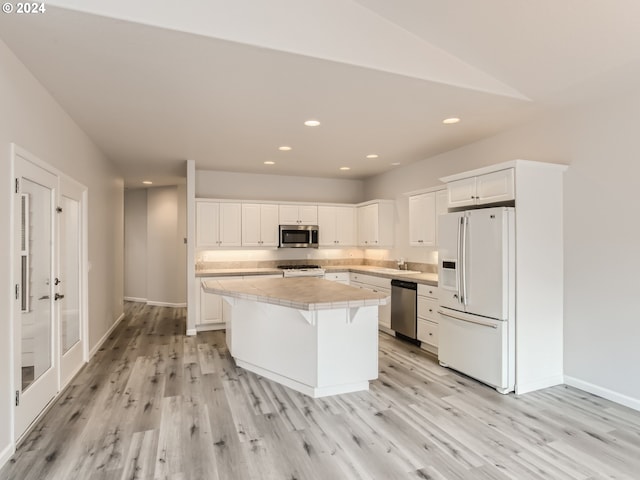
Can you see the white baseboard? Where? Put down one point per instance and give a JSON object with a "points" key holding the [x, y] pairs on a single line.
{"points": [[105, 337], [603, 392], [6, 453], [539, 384], [191, 332], [135, 299], [165, 304], [209, 328]]}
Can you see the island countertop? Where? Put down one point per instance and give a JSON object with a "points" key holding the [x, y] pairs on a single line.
{"points": [[302, 293]]}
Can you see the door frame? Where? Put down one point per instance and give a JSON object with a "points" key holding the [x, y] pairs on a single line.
{"points": [[17, 151]]}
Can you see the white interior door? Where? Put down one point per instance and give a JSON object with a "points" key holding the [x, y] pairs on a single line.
{"points": [[35, 356], [68, 294]]}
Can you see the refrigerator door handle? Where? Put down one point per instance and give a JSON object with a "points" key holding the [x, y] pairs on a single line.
{"points": [[459, 262], [463, 260], [490, 325]]}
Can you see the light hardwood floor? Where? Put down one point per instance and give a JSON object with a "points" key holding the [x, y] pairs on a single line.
{"points": [[156, 404]]}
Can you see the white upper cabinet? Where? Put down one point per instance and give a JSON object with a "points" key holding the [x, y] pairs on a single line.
{"points": [[488, 188], [376, 224], [442, 203], [337, 226], [259, 225], [298, 215], [424, 209], [217, 224], [422, 220]]}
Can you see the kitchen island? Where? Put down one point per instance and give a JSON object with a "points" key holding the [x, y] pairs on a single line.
{"points": [[312, 335]]}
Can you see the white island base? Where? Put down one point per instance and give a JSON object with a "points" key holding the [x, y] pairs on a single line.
{"points": [[316, 352]]}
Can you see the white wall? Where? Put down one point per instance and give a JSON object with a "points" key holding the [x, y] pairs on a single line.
{"points": [[165, 250], [31, 118], [248, 186], [155, 252], [181, 246], [135, 244], [601, 228]]}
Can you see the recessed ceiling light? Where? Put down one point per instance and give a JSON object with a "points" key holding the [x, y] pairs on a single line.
{"points": [[372, 155], [147, 182], [345, 168], [284, 148], [312, 123], [269, 162], [395, 164], [449, 121]]}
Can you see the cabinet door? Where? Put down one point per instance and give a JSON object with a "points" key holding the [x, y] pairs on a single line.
{"points": [[345, 226], [251, 225], [288, 215], [368, 225], [462, 192], [210, 315], [207, 224], [210, 308], [230, 225], [308, 214], [422, 219], [495, 187], [327, 223], [441, 207], [269, 225]]}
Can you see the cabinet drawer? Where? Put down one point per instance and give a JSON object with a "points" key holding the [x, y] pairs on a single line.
{"points": [[427, 291], [428, 308], [337, 277], [371, 280], [428, 332]]}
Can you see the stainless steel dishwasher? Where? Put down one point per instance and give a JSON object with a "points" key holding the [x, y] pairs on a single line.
{"points": [[403, 309]]}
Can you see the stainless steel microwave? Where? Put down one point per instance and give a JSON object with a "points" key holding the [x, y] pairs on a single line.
{"points": [[298, 236]]}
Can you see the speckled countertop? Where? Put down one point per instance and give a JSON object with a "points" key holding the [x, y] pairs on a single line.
{"points": [[423, 278], [302, 293], [418, 277], [231, 272]]}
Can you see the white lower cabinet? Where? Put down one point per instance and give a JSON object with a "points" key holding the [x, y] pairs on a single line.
{"points": [[377, 284], [209, 311], [428, 317]]}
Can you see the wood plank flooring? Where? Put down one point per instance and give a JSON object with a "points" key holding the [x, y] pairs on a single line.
{"points": [[156, 404]]}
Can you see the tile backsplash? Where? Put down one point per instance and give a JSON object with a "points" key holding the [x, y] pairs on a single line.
{"points": [[213, 259]]}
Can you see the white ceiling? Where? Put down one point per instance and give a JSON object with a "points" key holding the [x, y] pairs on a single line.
{"points": [[225, 83]]}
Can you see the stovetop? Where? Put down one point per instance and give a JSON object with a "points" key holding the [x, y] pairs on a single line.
{"points": [[297, 267]]}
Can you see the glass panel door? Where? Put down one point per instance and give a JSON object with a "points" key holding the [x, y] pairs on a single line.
{"points": [[36, 299], [69, 279], [36, 369]]}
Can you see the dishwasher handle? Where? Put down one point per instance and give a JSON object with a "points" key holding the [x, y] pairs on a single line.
{"points": [[404, 284]]}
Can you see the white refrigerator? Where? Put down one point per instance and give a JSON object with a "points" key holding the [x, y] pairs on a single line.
{"points": [[476, 275]]}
